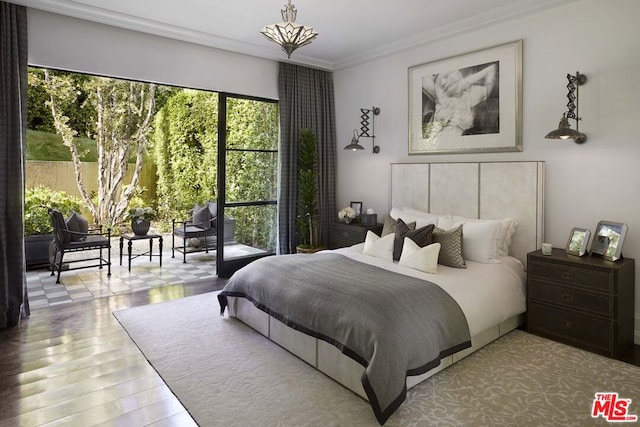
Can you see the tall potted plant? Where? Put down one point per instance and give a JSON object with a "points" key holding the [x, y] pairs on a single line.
{"points": [[307, 217], [38, 230]]}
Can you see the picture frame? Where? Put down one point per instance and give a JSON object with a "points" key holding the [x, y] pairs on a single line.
{"points": [[357, 207], [608, 240], [440, 92], [578, 241]]}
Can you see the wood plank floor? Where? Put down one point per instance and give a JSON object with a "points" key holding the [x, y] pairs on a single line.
{"points": [[73, 364]]}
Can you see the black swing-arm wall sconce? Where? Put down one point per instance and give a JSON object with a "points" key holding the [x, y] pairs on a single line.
{"points": [[564, 130], [364, 130]]}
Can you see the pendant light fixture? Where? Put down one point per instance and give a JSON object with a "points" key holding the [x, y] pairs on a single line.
{"points": [[289, 34]]}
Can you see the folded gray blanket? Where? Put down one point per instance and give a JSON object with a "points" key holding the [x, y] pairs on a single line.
{"points": [[394, 325]]}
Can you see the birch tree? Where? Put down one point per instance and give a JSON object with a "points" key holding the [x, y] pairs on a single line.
{"points": [[124, 113]]}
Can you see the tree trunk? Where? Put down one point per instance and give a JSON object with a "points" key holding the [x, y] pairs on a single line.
{"points": [[124, 113]]}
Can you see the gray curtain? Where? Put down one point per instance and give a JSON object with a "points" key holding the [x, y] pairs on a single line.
{"points": [[306, 101], [13, 118]]}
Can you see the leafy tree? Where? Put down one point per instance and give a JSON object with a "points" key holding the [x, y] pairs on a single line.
{"points": [[123, 114], [81, 114]]}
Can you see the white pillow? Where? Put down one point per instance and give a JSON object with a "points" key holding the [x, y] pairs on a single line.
{"points": [[423, 259], [379, 247], [507, 228], [418, 212], [480, 239]]}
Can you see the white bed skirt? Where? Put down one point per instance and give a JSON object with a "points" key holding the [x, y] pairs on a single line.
{"points": [[329, 360]]}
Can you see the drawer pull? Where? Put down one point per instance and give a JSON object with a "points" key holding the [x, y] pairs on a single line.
{"points": [[567, 297], [345, 234], [567, 275], [568, 324]]}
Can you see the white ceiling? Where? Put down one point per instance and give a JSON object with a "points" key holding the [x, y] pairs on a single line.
{"points": [[350, 31]]}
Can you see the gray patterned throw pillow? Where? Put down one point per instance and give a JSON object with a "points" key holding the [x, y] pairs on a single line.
{"points": [[450, 246]]}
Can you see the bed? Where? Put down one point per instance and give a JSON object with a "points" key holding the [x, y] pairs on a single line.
{"points": [[495, 208]]}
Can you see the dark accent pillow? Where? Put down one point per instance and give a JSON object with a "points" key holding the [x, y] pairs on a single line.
{"points": [[421, 236], [202, 217], [390, 226], [213, 211], [450, 246], [83, 223], [77, 224]]}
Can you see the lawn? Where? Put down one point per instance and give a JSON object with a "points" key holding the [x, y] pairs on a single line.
{"points": [[49, 147]]}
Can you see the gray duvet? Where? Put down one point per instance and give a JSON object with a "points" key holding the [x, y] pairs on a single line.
{"points": [[394, 325]]}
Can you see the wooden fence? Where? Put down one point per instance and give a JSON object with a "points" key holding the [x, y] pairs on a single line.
{"points": [[60, 176]]}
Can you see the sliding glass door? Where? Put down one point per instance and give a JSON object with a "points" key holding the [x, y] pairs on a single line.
{"points": [[248, 131]]}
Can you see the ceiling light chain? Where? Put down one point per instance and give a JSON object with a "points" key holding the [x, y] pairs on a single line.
{"points": [[288, 34], [289, 12]]}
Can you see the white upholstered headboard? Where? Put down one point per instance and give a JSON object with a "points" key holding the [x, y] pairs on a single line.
{"points": [[481, 190]]}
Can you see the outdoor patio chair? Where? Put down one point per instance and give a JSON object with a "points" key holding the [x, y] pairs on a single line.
{"points": [[201, 225], [74, 235]]}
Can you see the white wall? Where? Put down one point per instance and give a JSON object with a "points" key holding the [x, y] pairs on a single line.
{"points": [[585, 183], [73, 44]]}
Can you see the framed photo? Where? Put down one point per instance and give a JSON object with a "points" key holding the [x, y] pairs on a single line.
{"points": [[357, 207], [578, 241], [470, 103], [608, 240]]}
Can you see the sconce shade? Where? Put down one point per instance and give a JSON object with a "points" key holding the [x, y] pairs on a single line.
{"points": [[289, 34], [564, 131], [354, 142]]}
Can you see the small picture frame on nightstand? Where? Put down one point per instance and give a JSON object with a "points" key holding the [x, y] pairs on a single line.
{"points": [[357, 207], [608, 240], [578, 241]]}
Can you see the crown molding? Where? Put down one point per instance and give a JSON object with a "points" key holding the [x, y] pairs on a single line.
{"points": [[515, 9]]}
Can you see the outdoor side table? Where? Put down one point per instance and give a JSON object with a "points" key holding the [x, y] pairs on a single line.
{"points": [[131, 237]]}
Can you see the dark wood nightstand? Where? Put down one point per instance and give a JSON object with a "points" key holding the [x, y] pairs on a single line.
{"points": [[586, 302], [350, 234]]}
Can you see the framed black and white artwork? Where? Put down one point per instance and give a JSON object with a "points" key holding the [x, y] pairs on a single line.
{"points": [[470, 103]]}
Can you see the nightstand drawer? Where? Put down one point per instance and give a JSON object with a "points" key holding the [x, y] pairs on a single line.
{"points": [[572, 298], [350, 233], [593, 279], [342, 243], [572, 328]]}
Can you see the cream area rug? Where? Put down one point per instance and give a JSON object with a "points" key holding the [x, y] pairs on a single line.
{"points": [[226, 374]]}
